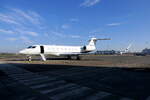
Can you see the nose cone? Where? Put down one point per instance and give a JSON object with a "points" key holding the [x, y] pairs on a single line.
{"points": [[22, 52]]}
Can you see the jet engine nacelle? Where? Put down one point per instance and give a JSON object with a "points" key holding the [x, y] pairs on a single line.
{"points": [[87, 48], [84, 48]]}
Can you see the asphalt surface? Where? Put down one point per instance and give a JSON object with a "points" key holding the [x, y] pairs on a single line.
{"points": [[65, 82]]}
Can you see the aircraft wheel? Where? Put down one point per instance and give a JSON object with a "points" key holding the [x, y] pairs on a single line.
{"points": [[29, 58], [69, 57], [78, 58]]}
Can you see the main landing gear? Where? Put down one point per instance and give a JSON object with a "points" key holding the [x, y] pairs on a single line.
{"points": [[78, 57], [74, 57]]}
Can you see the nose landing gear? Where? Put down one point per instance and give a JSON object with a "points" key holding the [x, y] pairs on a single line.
{"points": [[29, 58]]}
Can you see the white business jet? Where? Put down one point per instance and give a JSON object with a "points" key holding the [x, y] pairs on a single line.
{"points": [[57, 50]]}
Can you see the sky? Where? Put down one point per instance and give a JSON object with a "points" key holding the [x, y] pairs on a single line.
{"points": [[74, 22]]}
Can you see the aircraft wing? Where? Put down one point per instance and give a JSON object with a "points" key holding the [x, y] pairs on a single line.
{"points": [[72, 54], [65, 54]]}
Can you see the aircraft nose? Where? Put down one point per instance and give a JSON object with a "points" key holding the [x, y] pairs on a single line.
{"points": [[22, 52]]}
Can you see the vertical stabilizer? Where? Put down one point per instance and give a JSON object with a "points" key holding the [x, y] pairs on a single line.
{"points": [[92, 41], [92, 44], [127, 49]]}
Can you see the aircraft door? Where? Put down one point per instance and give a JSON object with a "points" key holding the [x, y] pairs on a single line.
{"points": [[42, 49]]}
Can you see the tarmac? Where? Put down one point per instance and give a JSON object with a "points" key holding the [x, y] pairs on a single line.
{"points": [[66, 82]]}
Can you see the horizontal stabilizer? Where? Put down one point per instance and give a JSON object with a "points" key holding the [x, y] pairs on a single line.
{"points": [[104, 39]]}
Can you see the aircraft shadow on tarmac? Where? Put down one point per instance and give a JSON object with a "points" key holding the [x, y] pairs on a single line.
{"points": [[129, 82], [123, 81], [58, 58], [36, 59]]}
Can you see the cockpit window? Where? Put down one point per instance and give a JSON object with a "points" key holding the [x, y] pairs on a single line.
{"points": [[31, 47]]}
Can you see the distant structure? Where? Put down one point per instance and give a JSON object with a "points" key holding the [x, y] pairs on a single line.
{"points": [[106, 52], [144, 52], [112, 52]]}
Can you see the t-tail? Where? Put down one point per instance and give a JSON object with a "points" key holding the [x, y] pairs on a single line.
{"points": [[127, 49], [129, 46], [92, 44]]}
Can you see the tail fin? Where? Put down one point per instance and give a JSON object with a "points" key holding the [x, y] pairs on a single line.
{"points": [[92, 41], [91, 46], [127, 49]]}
